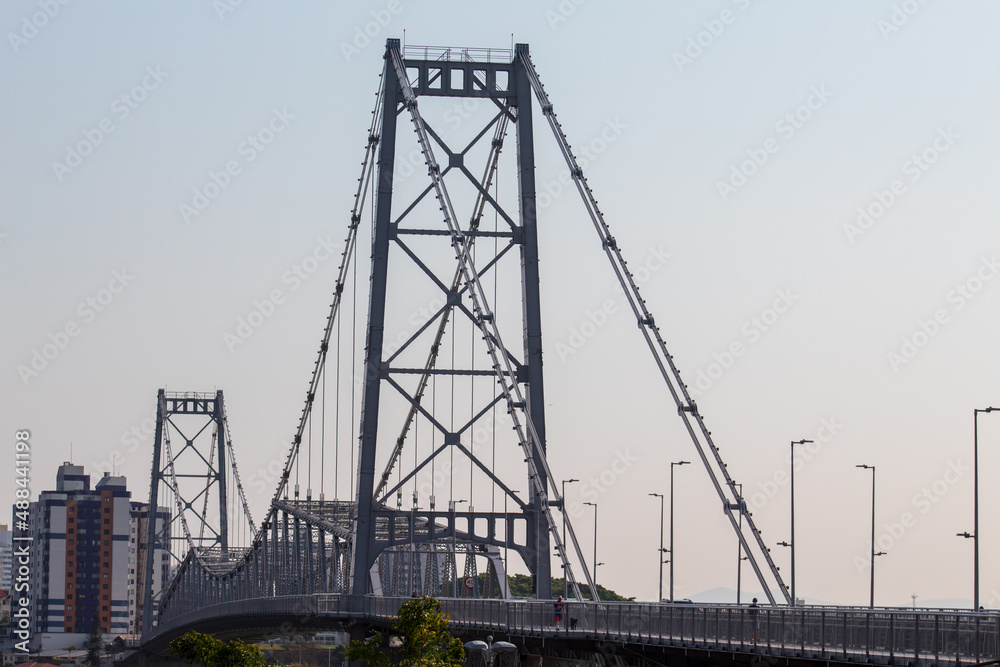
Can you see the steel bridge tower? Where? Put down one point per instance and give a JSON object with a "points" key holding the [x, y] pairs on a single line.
{"points": [[507, 85], [202, 466]]}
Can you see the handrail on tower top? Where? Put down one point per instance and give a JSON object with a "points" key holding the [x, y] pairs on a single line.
{"points": [[457, 53]]}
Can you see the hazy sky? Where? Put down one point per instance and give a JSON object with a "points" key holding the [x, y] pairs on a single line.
{"points": [[811, 184]]}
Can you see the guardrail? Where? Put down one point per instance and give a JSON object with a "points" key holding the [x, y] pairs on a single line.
{"points": [[457, 53], [824, 633]]}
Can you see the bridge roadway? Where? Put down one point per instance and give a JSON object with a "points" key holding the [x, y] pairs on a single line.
{"points": [[646, 633]]}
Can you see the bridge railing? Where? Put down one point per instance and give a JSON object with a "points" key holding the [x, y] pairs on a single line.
{"points": [[830, 633], [824, 633]]}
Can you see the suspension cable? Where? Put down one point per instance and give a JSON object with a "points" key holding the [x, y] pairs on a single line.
{"points": [[686, 407]]}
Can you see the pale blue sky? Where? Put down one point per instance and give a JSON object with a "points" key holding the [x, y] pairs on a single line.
{"points": [[681, 131]]}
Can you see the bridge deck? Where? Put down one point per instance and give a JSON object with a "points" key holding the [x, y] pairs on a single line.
{"points": [[841, 634]]}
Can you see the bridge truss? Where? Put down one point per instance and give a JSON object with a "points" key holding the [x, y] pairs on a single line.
{"points": [[441, 390]]}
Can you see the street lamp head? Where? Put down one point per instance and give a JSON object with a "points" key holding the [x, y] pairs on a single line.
{"points": [[879, 553], [784, 544], [656, 495], [966, 534], [802, 442], [591, 504], [567, 481], [865, 466]]}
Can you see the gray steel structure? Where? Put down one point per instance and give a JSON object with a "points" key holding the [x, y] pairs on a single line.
{"points": [[208, 410], [307, 547], [521, 381]]}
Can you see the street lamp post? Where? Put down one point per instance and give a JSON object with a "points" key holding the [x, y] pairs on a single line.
{"points": [[791, 449], [871, 602], [659, 554], [564, 483], [975, 504], [596, 594], [739, 549], [673, 556]]}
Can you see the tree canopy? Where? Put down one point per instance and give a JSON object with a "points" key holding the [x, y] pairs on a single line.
{"points": [[197, 648], [426, 640], [521, 586], [94, 643]]}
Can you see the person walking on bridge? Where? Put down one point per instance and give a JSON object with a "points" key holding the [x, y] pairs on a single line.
{"points": [[558, 606], [753, 612]]}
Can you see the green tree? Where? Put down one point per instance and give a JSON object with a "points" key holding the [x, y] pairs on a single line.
{"points": [[522, 586], [94, 644], [197, 648], [369, 651], [426, 640], [237, 653]]}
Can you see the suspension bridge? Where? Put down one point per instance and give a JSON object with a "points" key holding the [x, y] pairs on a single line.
{"points": [[451, 417]]}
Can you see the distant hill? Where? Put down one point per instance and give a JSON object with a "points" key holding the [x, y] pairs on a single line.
{"points": [[521, 587]]}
